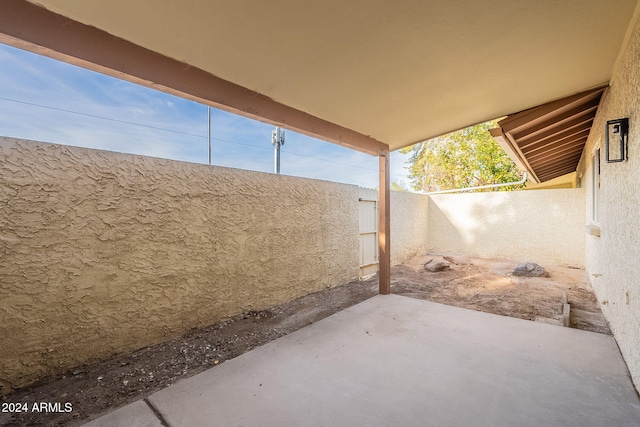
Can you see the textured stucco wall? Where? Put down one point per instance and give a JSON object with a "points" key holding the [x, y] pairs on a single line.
{"points": [[103, 253], [544, 226], [409, 225], [613, 258]]}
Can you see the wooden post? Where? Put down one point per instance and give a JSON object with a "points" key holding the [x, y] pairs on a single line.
{"points": [[384, 225]]}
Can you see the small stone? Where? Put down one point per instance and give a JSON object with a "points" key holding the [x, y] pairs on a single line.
{"points": [[100, 378], [458, 260], [125, 382], [530, 269], [435, 266]]}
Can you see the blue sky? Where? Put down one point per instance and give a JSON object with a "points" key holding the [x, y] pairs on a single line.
{"points": [[47, 100]]}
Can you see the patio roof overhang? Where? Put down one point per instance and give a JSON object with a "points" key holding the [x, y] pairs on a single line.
{"points": [[548, 141], [382, 73]]}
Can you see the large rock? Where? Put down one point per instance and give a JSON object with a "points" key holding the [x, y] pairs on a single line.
{"points": [[530, 269], [435, 266]]}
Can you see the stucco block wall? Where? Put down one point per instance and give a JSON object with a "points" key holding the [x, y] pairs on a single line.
{"points": [[103, 253], [613, 259], [409, 225], [543, 226]]}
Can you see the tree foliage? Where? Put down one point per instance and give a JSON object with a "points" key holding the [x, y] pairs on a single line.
{"points": [[398, 186], [469, 157]]}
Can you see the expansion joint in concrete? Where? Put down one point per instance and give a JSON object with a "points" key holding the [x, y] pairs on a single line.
{"points": [[157, 413]]}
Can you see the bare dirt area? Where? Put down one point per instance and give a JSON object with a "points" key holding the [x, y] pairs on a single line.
{"points": [[477, 284], [93, 390], [487, 285]]}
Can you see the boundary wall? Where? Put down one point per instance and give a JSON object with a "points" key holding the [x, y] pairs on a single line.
{"points": [[103, 253]]}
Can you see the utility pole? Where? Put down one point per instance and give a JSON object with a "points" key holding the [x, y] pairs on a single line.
{"points": [[277, 139], [209, 127]]}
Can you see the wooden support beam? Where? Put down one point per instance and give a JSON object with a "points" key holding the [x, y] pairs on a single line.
{"points": [[31, 27], [384, 226]]}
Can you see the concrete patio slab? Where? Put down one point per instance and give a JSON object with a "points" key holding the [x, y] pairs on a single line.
{"points": [[398, 361], [136, 414]]}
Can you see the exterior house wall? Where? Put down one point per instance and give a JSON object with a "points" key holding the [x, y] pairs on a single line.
{"points": [[103, 253], [544, 226], [612, 258]]}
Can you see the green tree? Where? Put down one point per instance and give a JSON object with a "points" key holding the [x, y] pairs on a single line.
{"points": [[398, 186], [469, 157]]}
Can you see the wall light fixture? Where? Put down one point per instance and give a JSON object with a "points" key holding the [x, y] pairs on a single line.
{"points": [[617, 135]]}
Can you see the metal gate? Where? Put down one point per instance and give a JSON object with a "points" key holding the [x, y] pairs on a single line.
{"points": [[368, 232]]}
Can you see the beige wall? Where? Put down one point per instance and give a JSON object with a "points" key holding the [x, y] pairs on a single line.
{"points": [[409, 225], [103, 253], [613, 259], [543, 226]]}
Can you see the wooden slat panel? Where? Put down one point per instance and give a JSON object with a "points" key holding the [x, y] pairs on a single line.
{"points": [[368, 224], [368, 216], [558, 172], [572, 114], [556, 133], [560, 162], [552, 132], [551, 145], [564, 151], [549, 139], [514, 122]]}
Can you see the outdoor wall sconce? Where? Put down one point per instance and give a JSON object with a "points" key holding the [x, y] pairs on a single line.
{"points": [[617, 134]]}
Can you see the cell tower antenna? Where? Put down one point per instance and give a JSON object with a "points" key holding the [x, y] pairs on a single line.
{"points": [[277, 139]]}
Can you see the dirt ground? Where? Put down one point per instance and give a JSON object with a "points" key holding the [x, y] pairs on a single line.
{"points": [[473, 283], [487, 285]]}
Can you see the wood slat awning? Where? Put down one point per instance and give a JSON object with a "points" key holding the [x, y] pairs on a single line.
{"points": [[547, 141]]}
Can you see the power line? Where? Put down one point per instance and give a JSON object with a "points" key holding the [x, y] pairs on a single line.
{"points": [[183, 133], [329, 161], [242, 143], [100, 117], [303, 155]]}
